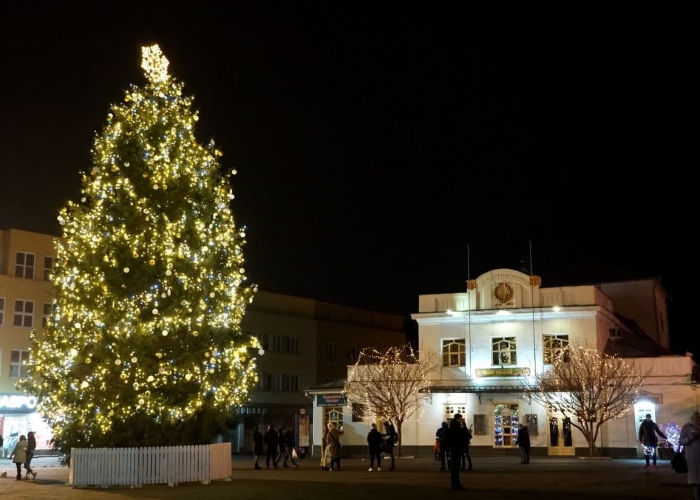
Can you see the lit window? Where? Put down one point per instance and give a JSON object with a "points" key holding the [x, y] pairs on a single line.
{"points": [[554, 348], [454, 352], [504, 351], [506, 418]]}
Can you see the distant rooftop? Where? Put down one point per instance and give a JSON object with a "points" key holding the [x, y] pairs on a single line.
{"points": [[591, 273]]}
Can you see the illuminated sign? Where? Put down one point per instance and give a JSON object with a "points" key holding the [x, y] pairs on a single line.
{"points": [[502, 372], [17, 402], [331, 400], [657, 399]]}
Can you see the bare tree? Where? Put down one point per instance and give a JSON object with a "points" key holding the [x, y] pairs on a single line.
{"points": [[392, 385], [590, 386]]}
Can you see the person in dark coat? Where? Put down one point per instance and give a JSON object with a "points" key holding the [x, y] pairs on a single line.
{"points": [[524, 443], [440, 437], [271, 440], [290, 444], [257, 446], [374, 441], [391, 438], [467, 437], [281, 449], [648, 431], [455, 443]]}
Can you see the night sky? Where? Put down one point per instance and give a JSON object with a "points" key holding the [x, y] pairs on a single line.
{"points": [[374, 145]]}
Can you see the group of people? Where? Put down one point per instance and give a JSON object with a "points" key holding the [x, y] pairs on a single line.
{"points": [[276, 446], [382, 443], [444, 451], [23, 454]]}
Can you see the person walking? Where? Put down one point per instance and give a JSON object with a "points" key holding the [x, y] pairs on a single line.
{"points": [[20, 455], [257, 446], [31, 446], [281, 449], [690, 438], [648, 431], [455, 442], [439, 440], [524, 443], [290, 445], [271, 440], [374, 441]]}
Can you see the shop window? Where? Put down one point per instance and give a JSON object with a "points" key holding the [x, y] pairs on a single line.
{"points": [[506, 418]]}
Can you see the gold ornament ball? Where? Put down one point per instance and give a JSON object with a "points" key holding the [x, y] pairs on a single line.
{"points": [[122, 376], [126, 269], [134, 359], [118, 362], [152, 262]]}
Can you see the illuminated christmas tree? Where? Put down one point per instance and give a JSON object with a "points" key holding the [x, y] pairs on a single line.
{"points": [[144, 346]]}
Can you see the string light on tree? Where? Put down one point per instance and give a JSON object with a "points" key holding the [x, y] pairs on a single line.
{"points": [[150, 285]]}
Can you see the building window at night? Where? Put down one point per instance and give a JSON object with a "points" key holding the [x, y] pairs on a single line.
{"points": [[24, 313], [48, 310], [18, 367], [285, 345], [330, 351], [263, 338], [554, 348], [2, 311], [333, 414], [504, 351], [48, 268], [265, 382], [24, 267], [454, 352], [294, 383], [354, 353]]}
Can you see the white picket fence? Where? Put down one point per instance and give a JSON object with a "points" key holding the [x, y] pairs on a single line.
{"points": [[135, 467]]}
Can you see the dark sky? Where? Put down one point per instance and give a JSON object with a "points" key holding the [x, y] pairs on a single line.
{"points": [[374, 144]]}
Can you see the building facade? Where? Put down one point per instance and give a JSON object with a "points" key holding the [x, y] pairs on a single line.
{"points": [[306, 343], [26, 259], [492, 340]]}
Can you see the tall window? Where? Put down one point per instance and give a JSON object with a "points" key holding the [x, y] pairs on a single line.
{"points": [[555, 347], [285, 344], [330, 351], [48, 268], [354, 353], [504, 351], [265, 381], [2, 311], [24, 313], [454, 352], [264, 340], [24, 266], [18, 367], [294, 383]]}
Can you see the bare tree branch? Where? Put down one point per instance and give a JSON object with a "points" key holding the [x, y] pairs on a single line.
{"points": [[590, 386], [392, 385]]}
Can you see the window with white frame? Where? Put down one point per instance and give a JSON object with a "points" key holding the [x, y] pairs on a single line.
{"points": [[48, 268], [24, 266], [18, 364], [24, 314], [554, 348], [333, 414], [2, 311], [504, 351], [454, 352]]}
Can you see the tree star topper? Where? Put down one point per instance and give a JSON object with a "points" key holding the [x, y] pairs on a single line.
{"points": [[155, 64]]}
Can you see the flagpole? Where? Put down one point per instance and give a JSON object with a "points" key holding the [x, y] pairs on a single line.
{"points": [[532, 304], [469, 312]]}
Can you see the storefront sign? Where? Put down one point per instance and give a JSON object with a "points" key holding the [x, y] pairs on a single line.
{"points": [[657, 399], [248, 410], [17, 402], [331, 400], [502, 372]]}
